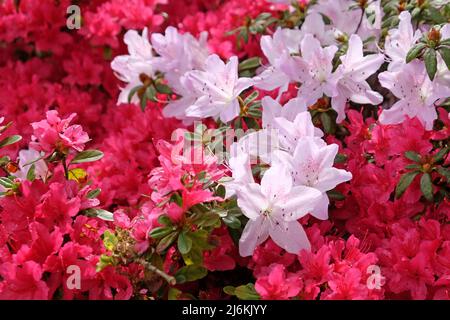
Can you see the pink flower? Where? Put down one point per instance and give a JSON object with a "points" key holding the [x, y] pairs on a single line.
{"points": [[23, 282], [58, 207], [278, 284], [347, 286], [55, 133]]}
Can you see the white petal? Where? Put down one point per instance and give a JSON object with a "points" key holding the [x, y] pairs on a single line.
{"points": [[329, 178], [230, 111], [255, 233], [291, 237], [276, 182], [251, 200], [300, 202], [320, 211]]}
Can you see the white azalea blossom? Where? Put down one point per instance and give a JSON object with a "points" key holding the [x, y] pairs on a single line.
{"points": [[352, 73], [217, 89], [416, 93], [178, 54], [128, 68], [29, 158], [311, 164], [399, 41], [273, 208], [313, 70], [278, 50]]}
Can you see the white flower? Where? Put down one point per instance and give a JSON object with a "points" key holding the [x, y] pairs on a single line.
{"points": [[217, 89], [272, 109], [128, 68], [399, 41], [27, 158], [277, 49], [282, 128], [314, 70], [314, 25], [241, 172], [352, 74], [416, 93], [311, 165], [339, 12], [273, 208], [178, 54]]}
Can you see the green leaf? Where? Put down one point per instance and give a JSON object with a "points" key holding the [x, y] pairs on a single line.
{"points": [[441, 154], [434, 15], [150, 92], [444, 172], [190, 273], [166, 242], [31, 173], [10, 140], [251, 123], [247, 292], [6, 182], [415, 13], [184, 243], [413, 166], [174, 294], [404, 183], [5, 127], [415, 51], [232, 221], [243, 33], [230, 290], [160, 232], [177, 199], [163, 88], [335, 195], [93, 193], [249, 64], [4, 160], [133, 92], [445, 55], [110, 240], [221, 191], [411, 155], [164, 220], [251, 97], [426, 186], [340, 158], [87, 156], [326, 122], [194, 256], [104, 215], [430, 62], [104, 261]]}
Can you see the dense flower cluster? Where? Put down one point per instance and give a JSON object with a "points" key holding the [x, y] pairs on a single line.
{"points": [[223, 149]]}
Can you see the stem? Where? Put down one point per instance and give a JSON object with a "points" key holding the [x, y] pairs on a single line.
{"points": [[360, 20], [170, 279], [66, 170]]}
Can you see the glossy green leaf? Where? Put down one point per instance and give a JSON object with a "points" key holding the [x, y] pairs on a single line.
{"points": [[404, 183]]}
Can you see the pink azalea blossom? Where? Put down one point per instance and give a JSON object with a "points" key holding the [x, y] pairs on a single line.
{"points": [[55, 133]]}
